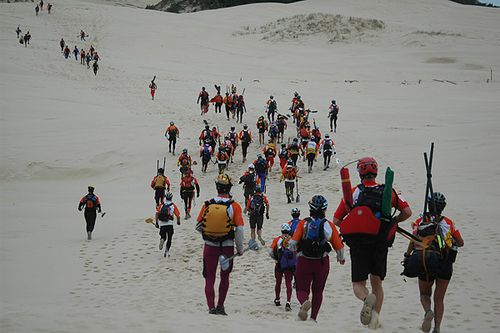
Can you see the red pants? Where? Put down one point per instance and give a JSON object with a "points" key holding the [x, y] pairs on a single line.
{"points": [[311, 274], [210, 261], [282, 162], [153, 93], [270, 161], [288, 283]]}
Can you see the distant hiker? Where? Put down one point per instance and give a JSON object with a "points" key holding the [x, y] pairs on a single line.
{"points": [[206, 137], [218, 100], [245, 138], [76, 52], [256, 207], [282, 126], [234, 139], [289, 175], [332, 115], [92, 205], [67, 52], [285, 263], [172, 134], [215, 135], [95, 67], [222, 158], [88, 58], [21, 40], [228, 103], [203, 97], [95, 56], [18, 32], [305, 136], [270, 153], [314, 238], [250, 181], [273, 132], [295, 220], [160, 183], [316, 134], [271, 107], [62, 44], [240, 109], [220, 222], [206, 153], [327, 147], [311, 153], [368, 251], [188, 184], [294, 150], [262, 126], [91, 50], [41, 4], [261, 168], [82, 57], [82, 35], [164, 219], [26, 39], [283, 155], [434, 264], [37, 9], [49, 7], [184, 162], [153, 87]]}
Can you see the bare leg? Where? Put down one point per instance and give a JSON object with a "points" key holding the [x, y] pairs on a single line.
{"points": [[377, 289], [439, 292]]}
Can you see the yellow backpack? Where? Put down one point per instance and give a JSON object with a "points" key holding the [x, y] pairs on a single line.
{"points": [[160, 181], [216, 225]]}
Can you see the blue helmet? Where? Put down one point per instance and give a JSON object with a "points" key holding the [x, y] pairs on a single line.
{"points": [[318, 203]]}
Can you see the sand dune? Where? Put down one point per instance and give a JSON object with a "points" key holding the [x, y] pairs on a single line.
{"points": [[62, 128]]}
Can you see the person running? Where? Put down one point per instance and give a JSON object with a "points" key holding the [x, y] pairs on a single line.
{"points": [[327, 147], [206, 136], [256, 207], [262, 126], [203, 97], [222, 158], [26, 39], [95, 67], [271, 108], [240, 109], [294, 151], [18, 31], [311, 153], [234, 139], [220, 222], [49, 7], [82, 35], [273, 132], [164, 220], [436, 226], [282, 126], [217, 100], [172, 134], [269, 152], [92, 206], [228, 103], [295, 220], [245, 138], [305, 136], [261, 168], [153, 87], [332, 115], [285, 262], [37, 9], [215, 134], [62, 44], [206, 154], [289, 175], [88, 58], [250, 181], [368, 251], [76, 52], [184, 162], [314, 238], [160, 183], [188, 184]]}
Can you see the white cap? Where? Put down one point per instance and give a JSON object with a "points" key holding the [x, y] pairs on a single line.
{"points": [[251, 166]]}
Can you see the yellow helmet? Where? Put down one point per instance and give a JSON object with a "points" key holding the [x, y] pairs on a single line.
{"points": [[223, 183]]}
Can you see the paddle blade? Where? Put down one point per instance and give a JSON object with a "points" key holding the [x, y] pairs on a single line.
{"points": [[224, 262], [149, 220], [297, 199]]}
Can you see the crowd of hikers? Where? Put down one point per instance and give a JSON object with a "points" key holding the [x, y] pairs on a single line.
{"points": [[90, 58], [39, 7], [301, 251]]}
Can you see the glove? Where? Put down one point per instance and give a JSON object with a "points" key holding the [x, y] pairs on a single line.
{"points": [[267, 216], [157, 226], [341, 256], [198, 194], [80, 209], [178, 222]]}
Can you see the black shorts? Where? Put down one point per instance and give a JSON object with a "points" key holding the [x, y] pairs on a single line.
{"points": [[166, 229], [444, 273], [256, 221], [368, 259]]}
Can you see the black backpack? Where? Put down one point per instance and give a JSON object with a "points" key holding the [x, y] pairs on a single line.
{"points": [[260, 166], [245, 137], [272, 106], [314, 244], [370, 197], [257, 205], [164, 213]]}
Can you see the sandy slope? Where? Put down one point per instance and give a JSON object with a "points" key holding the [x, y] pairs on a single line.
{"points": [[62, 129]]}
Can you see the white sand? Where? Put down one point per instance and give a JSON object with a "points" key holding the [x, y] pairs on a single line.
{"points": [[63, 129]]}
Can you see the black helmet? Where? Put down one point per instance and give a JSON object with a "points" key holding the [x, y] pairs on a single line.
{"points": [[169, 196], [91, 189], [295, 212], [207, 127], [171, 123], [318, 203], [295, 139], [160, 171], [333, 101], [437, 202], [232, 128], [271, 97]]}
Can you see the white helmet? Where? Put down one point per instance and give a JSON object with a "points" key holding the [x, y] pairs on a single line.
{"points": [[251, 166], [285, 228]]}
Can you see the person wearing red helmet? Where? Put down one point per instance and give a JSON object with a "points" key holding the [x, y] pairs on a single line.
{"points": [[368, 251]]}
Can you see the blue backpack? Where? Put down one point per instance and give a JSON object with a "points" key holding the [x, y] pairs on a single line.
{"points": [[287, 260], [313, 243]]}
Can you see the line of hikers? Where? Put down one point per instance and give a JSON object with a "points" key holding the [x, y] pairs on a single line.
{"points": [[86, 57], [39, 7]]}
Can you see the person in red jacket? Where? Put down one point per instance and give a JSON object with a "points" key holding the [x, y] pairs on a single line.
{"points": [[188, 184], [203, 98], [164, 219], [217, 100], [160, 183]]}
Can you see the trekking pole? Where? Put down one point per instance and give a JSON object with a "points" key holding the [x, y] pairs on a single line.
{"points": [[428, 167], [157, 165], [164, 160]]}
